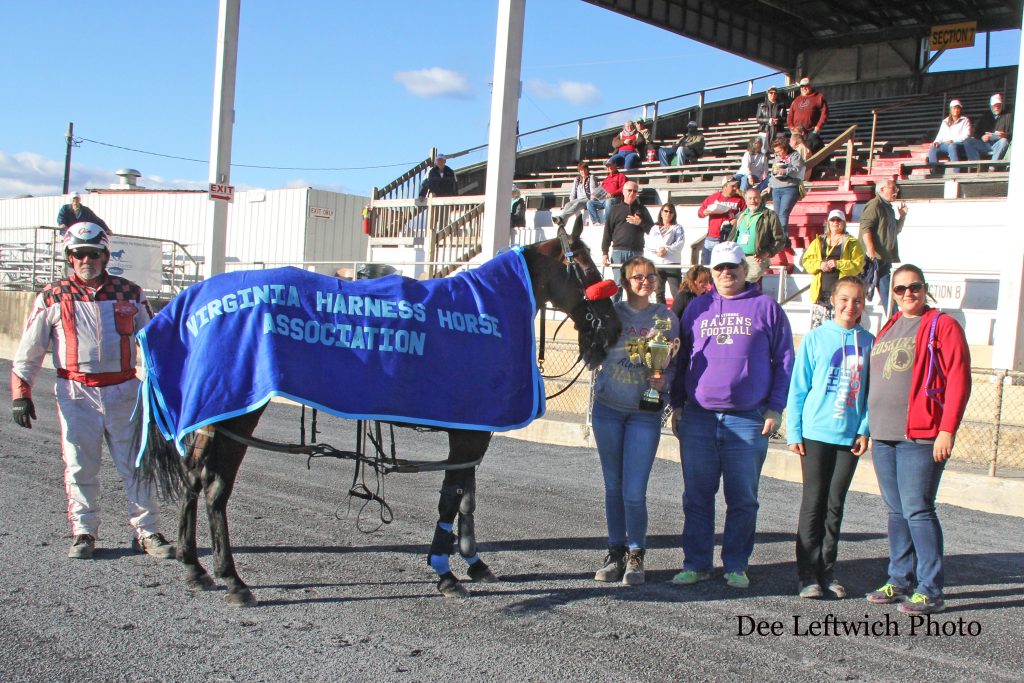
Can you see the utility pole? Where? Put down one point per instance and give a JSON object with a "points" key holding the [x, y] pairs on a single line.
{"points": [[70, 138], [220, 133]]}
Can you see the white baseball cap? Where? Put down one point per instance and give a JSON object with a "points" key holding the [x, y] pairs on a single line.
{"points": [[836, 213], [955, 103], [727, 252], [995, 99]]}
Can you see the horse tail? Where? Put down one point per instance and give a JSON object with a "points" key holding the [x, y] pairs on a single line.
{"points": [[160, 466]]}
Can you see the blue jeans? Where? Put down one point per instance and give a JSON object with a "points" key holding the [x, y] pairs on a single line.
{"points": [[909, 479], [618, 257], [627, 160], [956, 152], [599, 208], [784, 199], [884, 284], [745, 182], [627, 443], [705, 251], [727, 447], [996, 147]]}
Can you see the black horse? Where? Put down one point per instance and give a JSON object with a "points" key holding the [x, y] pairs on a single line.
{"points": [[562, 273]]}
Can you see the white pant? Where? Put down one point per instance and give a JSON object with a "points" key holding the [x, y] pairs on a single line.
{"points": [[88, 416]]}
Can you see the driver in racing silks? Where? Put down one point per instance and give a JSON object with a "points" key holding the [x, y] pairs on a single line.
{"points": [[90, 319]]}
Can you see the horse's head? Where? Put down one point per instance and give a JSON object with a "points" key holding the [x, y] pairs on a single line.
{"points": [[564, 275]]}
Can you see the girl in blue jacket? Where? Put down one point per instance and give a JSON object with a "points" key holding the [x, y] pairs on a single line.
{"points": [[828, 429]]}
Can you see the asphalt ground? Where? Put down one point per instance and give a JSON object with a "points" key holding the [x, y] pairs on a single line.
{"points": [[338, 604]]}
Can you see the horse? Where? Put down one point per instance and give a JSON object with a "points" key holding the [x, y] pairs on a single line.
{"points": [[562, 273]]}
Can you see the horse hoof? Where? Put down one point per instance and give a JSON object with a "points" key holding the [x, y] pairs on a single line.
{"points": [[242, 598], [202, 582], [481, 573], [451, 587]]}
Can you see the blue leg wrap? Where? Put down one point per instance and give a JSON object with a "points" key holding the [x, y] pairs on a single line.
{"points": [[439, 562], [473, 559]]}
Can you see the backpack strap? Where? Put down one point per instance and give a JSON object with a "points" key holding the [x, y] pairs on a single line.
{"points": [[934, 369]]}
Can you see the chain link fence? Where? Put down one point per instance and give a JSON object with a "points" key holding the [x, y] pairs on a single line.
{"points": [[991, 436]]}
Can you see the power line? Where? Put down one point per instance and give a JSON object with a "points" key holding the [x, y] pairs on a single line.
{"points": [[270, 168]]}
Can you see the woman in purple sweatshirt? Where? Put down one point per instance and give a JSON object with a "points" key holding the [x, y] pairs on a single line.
{"points": [[731, 384]]}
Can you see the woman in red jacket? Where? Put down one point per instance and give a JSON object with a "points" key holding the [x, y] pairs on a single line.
{"points": [[918, 388]]}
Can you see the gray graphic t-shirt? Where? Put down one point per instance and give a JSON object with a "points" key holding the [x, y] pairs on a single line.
{"points": [[892, 362]]}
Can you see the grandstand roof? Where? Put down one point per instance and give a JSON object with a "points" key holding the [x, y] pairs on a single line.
{"points": [[775, 32]]}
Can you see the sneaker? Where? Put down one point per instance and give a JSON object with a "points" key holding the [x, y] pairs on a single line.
{"points": [[688, 577], [737, 579], [614, 566], [634, 574], [887, 595], [82, 547], [920, 603], [811, 590], [837, 589], [155, 545]]}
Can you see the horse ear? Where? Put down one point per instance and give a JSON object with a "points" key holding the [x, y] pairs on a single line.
{"points": [[561, 232], [577, 228]]}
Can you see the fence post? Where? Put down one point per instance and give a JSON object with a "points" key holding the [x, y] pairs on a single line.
{"points": [[35, 255], [654, 125], [871, 147], [579, 139], [1000, 380], [750, 87], [700, 109]]}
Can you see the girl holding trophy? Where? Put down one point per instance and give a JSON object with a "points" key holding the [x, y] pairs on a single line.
{"points": [[627, 412]]}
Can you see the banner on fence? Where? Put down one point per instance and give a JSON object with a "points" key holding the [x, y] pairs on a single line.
{"points": [[141, 261]]}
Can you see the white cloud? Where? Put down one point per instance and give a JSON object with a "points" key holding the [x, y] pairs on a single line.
{"points": [[434, 82], [24, 173], [573, 92]]}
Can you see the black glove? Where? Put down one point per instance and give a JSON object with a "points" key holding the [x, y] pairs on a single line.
{"points": [[23, 409]]}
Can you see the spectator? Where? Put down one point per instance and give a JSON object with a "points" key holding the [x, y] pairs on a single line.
{"points": [[628, 222], [721, 210], [810, 112], [696, 282], [920, 384], [610, 194], [771, 113], [77, 212], [760, 235], [626, 435], [880, 226], [753, 167], [834, 255], [689, 148], [584, 188], [517, 218], [729, 390], [626, 145], [787, 175], [993, 131], [663, 246], [953, 133], [90, 319], [798, 141], [828, 428], [441, 180], [645, 147]]}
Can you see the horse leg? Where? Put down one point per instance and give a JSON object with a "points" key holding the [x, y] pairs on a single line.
{"points": [[443, 543], [464, 446], [196, 576], [478, 570], [218, 482]]}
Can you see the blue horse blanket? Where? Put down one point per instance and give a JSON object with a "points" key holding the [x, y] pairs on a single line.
{"points": [[455, 352]]}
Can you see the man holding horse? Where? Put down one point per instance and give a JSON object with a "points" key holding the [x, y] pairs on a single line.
{"points": [[90, 318]]}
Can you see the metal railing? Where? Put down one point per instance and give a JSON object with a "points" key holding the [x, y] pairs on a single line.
{"points": [[33, 256]]}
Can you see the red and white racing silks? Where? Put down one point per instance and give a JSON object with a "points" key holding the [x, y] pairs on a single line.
{"points": [[92, 335]]}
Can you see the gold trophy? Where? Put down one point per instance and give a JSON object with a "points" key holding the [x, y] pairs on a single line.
{"points": [[656, 353]]}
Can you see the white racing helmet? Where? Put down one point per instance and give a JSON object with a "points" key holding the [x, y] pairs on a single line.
{"points": [[85, 236]]}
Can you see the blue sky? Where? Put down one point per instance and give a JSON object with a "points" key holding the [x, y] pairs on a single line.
{"points": [[323, 84]]}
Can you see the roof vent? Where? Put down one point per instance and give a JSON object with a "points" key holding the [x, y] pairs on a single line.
{"points": [[129, 179]]}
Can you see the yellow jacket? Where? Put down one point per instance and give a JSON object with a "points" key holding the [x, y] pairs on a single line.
{"points": [[851, 262]]}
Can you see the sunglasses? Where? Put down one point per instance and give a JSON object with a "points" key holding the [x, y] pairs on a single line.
{"points": [[915, 287], [83, 255], [640, 279], [726, 266]]}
